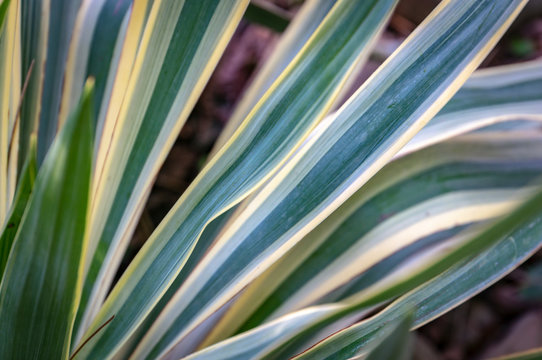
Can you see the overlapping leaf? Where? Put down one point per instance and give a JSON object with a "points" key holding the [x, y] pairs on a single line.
{"points": [[24, 190], [393, 343], [342, 155], [294, 38], [472, 263], [400, 212], [167, 69], [279, 122], [41, 285]]}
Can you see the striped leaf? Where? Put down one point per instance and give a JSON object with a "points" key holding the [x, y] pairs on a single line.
{"points": [[338, 158], [471, 264], [46, 30], [24, 190], [304, 24], [273, 129], [394, 343], [94, 52], [415, 198], [10, 74], [490, 96], [181, 42], [42, 282]]}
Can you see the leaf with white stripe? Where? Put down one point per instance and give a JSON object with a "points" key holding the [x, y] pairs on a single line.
{"points": [[180, 45], [414, 197], [306, 21], [490, 96], [274, 128], [438, 283], [341, 155]]}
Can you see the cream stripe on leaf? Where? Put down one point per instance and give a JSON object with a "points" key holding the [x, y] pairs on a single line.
{"points": [[179, 49], [490, 96], [431, 300], [454, 277], [280, 121], [407, 91], [245, 345], [34, 32], [56, 19], [104, 30], [446, 168], [9, 98], [290, 43], [97, 32], [38, 295]]}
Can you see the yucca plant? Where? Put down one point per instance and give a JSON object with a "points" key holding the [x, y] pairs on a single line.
{"points": [[361, 222]]}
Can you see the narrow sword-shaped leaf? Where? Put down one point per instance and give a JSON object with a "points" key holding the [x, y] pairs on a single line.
{"points": [[450, 288], [114, 91], [94, 51], [42, 282], [60, 16], [180, 47], [34, 32], [26, 184], [9, 98], [458, 274], [394, 343], [343, 153], [469, 163], [490, 96], [304, 24], [274, 128]]}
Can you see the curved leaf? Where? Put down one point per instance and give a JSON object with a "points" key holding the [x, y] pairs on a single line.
{"points": [[275, 127], [338, 158]]}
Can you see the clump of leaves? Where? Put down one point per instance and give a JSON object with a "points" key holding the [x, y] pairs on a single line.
{"points": [[417, 193]]}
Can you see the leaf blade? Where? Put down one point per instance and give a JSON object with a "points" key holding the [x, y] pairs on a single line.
{"points": [[39, 291]]}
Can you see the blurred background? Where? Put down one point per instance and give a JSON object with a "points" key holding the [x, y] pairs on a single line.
{"points": [[505, 318]]}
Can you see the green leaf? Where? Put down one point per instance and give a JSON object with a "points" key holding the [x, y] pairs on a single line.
{"points": [[472, 264], [42, 282], [3, 11], [400, 211], [22, 195], [275, 127], [393, 342], [491, 96], [338, 158], [162, 78], [268, 15], [303, 25]]}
